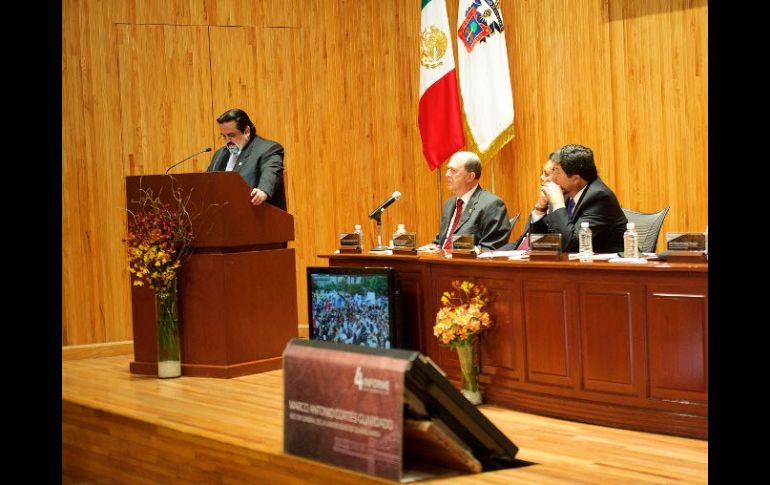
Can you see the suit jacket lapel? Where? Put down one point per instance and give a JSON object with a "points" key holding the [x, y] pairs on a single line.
{"points": [[241, 164], [449, 210], [587, 193], [222, 162]]}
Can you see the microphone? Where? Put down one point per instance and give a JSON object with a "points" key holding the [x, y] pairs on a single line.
{"points": [[207, 149], [394, 197]]}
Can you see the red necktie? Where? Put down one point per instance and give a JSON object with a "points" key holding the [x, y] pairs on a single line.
{"points": [[458, 213]]}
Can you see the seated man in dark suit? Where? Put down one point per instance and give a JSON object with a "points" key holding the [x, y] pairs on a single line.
{"points": [[258, 160], [587, 199], [472, 210], [521, 242]]}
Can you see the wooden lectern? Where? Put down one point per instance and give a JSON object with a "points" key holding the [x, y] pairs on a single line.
{"points": [[238, 289]]}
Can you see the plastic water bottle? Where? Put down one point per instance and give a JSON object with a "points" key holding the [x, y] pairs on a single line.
{"points": [[706, 252], [584, 240], [630, 241], [357, 230], [399, 230]]}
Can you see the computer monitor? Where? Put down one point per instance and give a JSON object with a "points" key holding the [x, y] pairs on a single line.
{"points": [[355, 306]]}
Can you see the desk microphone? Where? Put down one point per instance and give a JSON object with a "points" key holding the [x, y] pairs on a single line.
{"points": [[394, 197], [207, 149]]}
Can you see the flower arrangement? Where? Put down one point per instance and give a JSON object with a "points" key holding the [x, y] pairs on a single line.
{"points": [[159, 238], [461, 317]]}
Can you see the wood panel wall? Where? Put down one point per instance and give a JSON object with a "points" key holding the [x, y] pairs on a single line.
{"points": [[336, 82]]}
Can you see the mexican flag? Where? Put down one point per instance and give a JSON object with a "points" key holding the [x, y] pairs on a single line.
{"points": [[439, 119], [485, 82]]}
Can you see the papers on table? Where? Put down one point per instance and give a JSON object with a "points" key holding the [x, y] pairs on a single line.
{"points": [[516, 254], [594, 257]]}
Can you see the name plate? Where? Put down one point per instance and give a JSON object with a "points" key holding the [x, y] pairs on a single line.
{"points": [[686, 246], [345, 409], [545, 247], [385, 412], [463, 246], [350, 242], [405, 243]]}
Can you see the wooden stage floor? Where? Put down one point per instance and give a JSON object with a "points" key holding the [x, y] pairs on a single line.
{"points": [[123, 428]]}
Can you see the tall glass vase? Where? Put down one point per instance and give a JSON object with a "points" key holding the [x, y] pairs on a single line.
{"points": [[167, 331], [466, 352]]}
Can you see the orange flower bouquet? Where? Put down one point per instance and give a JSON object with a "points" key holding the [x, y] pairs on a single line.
{"points": [[458, 323], [461, 317]]}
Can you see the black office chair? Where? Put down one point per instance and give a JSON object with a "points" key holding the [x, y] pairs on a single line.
{"points": [[647, 227], [513, 220]]}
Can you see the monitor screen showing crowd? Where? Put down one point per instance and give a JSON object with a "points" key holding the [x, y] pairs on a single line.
{"points": [[355, 306]]}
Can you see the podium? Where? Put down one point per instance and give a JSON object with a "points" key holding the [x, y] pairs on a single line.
{"points": [[237, 290]]}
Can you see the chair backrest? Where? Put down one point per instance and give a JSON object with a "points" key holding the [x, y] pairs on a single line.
{"points": [[513, 220], [647, 226]]}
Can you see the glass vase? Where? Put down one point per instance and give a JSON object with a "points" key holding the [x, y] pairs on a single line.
{"points": [[466, 353], [167, 332]]}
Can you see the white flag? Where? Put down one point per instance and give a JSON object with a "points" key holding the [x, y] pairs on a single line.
{"points": [[485, 82]]}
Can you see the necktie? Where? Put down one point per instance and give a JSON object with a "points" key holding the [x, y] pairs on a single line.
{"points": [[458, 213], [231, 163], [570, 206]]}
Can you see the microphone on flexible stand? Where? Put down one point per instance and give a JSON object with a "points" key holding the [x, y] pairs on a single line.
{"points": [[376, 214], [207, 149]]}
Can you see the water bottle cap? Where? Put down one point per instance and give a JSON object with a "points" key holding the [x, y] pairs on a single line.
{"points": [[630, 225], [584, 224], [401, 227], [358, 226]]}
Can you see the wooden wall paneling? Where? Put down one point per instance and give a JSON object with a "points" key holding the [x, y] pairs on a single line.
{"points": [[496, 359], [518, 165], [261, 13], [611, 337], [561, 91], [169, 12], [628, 79], [678, 319], [659, 55], [547, 327], [74, 244], [95, 297], [411, 287], [164, 97]]}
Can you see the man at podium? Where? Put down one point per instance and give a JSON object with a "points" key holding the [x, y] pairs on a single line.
{"points": [[258, 160]]}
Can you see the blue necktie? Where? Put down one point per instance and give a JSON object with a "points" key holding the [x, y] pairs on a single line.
{"points": [[570, 206]]}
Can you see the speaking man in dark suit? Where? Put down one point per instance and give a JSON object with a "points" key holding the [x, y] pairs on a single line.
{"points": [[472, 210], [587, 199], [259, 161]]}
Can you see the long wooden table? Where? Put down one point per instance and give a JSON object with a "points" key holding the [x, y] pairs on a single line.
{"points": [[621, 345]]}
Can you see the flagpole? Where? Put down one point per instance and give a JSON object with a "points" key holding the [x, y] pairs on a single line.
{"points": [[438, 192]]}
